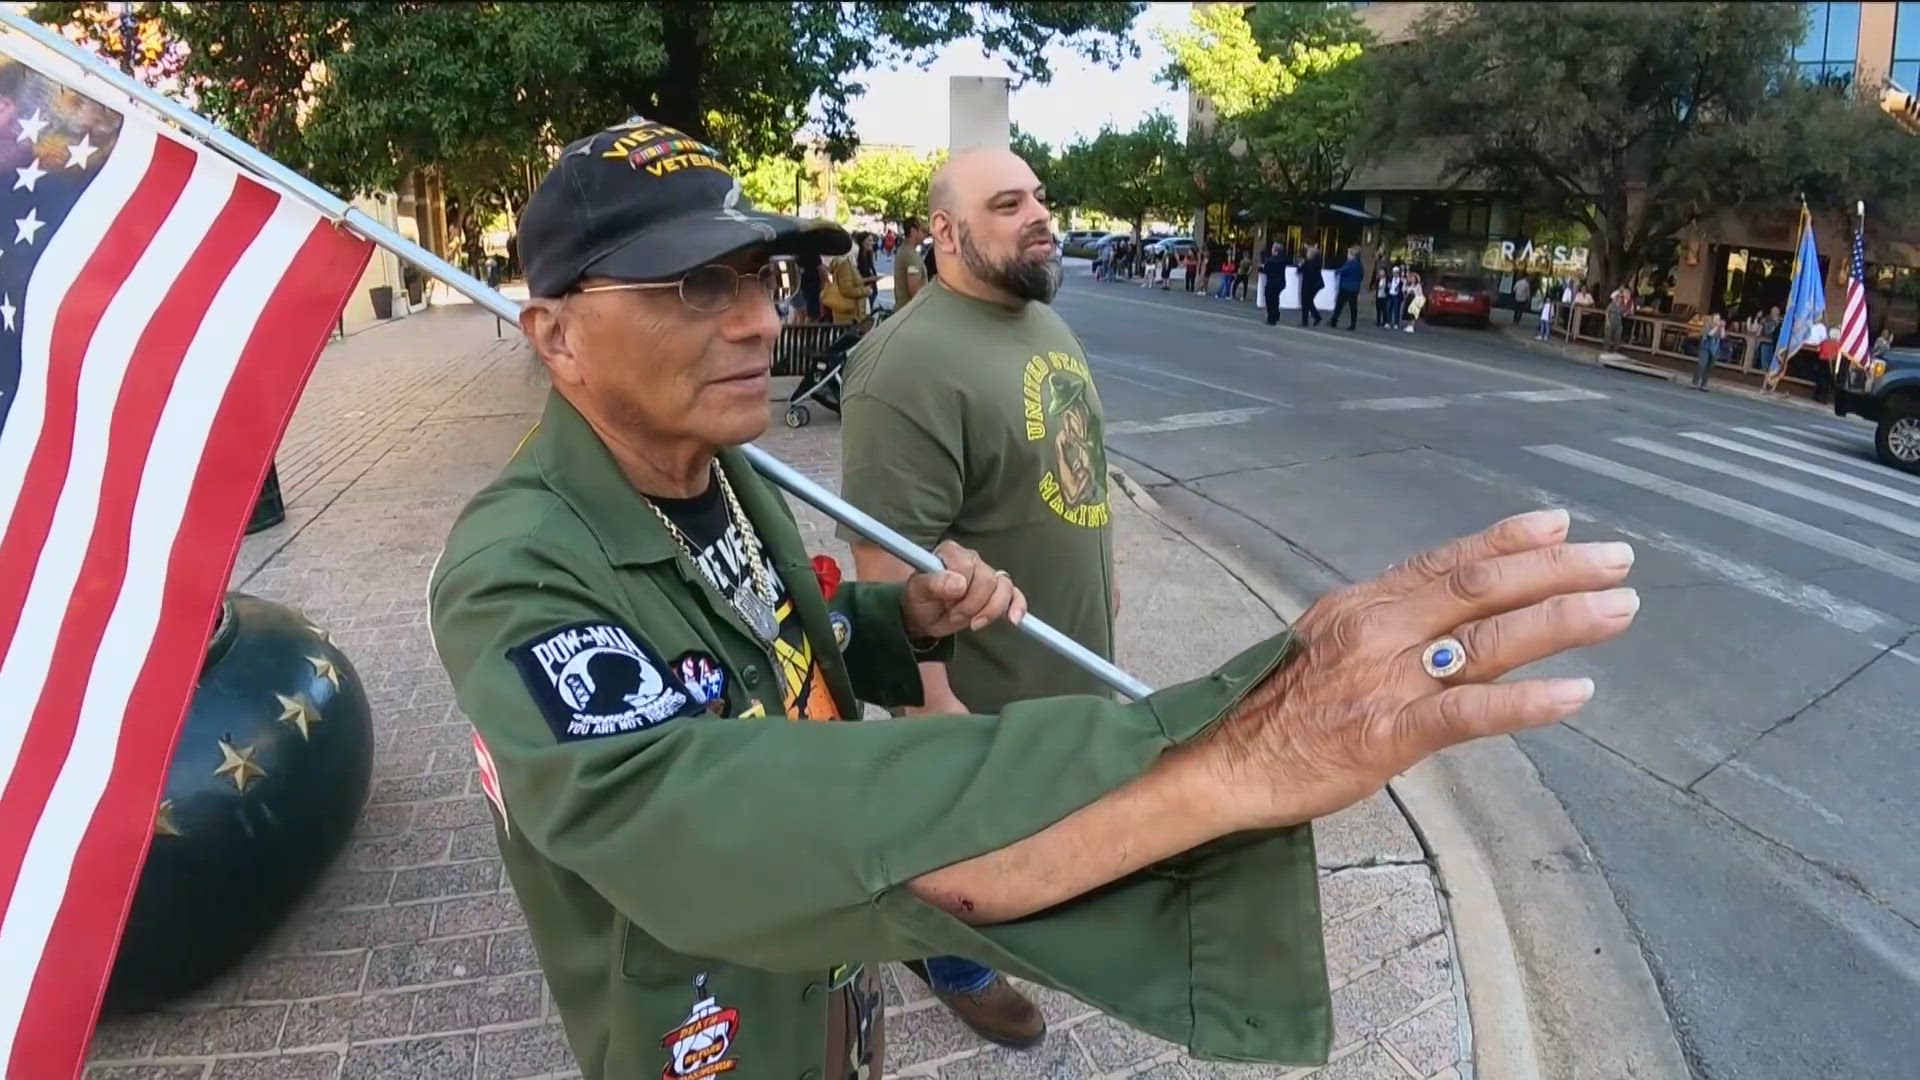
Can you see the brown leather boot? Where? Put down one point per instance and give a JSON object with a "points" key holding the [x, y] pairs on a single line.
{"points": [[997, 1013]]}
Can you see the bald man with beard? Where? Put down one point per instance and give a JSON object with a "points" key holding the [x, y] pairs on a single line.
{"points": [[971, 415]]}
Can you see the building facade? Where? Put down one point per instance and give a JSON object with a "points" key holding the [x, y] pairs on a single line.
{"points": [[1737, 261]]}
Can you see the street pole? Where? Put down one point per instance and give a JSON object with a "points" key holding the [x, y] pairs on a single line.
{"points": [[341, 212]]}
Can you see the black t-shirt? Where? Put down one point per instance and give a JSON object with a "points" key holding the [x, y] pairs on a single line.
{"points": [[720, 559]]}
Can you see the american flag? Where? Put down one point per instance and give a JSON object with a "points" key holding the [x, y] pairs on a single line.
{"points": [[159, 312], [1853, 324]]}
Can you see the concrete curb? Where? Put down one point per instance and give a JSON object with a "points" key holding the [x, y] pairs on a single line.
{"points": [[1559, 992]]}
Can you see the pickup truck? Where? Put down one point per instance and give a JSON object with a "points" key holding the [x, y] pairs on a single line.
{"points": [[1886, 390]]}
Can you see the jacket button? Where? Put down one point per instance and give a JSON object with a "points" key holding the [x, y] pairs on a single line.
{"points": [[751, 676], [812, 992]]}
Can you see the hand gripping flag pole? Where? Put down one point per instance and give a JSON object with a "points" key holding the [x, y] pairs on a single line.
{"points": [[333, 206]]}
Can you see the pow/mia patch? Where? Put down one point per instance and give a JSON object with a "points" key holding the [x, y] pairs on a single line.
{"points": [[702, 675], [594, 678], [842, 628]]}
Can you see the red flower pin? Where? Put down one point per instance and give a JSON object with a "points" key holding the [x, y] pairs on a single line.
{"points": [[828, 571]]}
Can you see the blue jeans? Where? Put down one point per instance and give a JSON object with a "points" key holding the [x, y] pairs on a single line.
{"points": [[1763, 355], [957, 975], [1226, 287]]}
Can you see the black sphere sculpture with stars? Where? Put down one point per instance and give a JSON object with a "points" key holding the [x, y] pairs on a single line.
{"points": [[268, 778]]}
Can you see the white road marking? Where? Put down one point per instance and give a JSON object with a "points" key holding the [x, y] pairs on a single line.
{"points": [[1256, 329], [1342, 369], [1184, 421], [1902, 525], [1783, 788], [1759, 580], [1831, 455], [1106, 358], [1396, 404], [1778, 524], [1829, 437], [1834, 475]]}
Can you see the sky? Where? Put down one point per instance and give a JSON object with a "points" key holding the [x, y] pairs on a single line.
{"points": [[909, 107]]}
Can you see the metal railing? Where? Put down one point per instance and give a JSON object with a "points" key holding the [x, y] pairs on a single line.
{"points": [[1672, 338]]}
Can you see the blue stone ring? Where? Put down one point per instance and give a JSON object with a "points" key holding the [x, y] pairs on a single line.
{"points": [[1444, 658]]}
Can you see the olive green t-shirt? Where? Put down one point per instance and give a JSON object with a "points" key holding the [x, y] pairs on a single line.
{"points": [[907, 267], [966, 421]]}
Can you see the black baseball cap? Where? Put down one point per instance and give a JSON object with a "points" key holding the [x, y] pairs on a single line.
{"points": [[641, 201]]}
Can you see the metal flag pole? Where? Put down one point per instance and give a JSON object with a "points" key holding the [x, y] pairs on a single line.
{"points": [[340, 210]]}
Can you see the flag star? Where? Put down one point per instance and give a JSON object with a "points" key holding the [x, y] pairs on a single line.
{"points": [[324, 668], [31, 126], [238, 765], [7, 310], [78, 153], [28, 225], [29, 176]]}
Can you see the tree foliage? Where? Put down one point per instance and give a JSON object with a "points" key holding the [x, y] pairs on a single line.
{"points": [[1636, 119], [357, 95], [1132, 175], [890, 184], [1292, 86]]}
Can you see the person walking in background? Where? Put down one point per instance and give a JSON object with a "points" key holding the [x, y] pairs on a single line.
{"points": [[1227, 271], [1416, 299], [909, 269], [847, 289], [1619, 303], [1711, 335], [1769, 331], [1544, 332], [1522, 292], [1311, 278], [1353, 275], [935, 448], [1379, 295], [1192, 264], [863, 257], [1396, 296], [1274, 272], [1243, 275]]}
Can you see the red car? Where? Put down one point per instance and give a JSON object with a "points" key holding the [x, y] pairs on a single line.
{"points": [[1460, 296]]}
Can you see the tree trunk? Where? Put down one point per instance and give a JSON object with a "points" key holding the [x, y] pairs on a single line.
{"points": [[684, 31]]}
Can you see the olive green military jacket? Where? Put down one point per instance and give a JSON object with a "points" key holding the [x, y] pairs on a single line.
{"points": [[699, 882]]}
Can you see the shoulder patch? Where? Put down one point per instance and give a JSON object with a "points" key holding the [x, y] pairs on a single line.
{"points": [[595, 678]]}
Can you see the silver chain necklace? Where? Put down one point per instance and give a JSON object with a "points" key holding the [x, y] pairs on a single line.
{"points": [[755, 604]]}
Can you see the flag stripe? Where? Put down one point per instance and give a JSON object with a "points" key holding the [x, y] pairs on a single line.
{"points": [[225, 218], [71, 319], [186, 530]]}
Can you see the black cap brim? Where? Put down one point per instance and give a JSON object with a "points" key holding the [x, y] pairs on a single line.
{"points": [[672, 247]]}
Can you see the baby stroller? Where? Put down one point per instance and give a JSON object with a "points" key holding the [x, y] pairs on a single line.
{"points": [[821, 382]]}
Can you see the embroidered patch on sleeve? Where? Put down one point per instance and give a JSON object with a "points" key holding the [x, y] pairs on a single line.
{"points": [[593, 679]]}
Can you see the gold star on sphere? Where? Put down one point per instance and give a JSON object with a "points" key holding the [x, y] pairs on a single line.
{"points": [[299, 712], [238, 765]]}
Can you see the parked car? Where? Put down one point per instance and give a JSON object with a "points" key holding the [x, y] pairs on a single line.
{"points": [[1460, 296], [1887, 391], [1172, 245], [1079, 243]]}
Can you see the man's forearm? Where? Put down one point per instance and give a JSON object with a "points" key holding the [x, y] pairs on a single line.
{"points": [[1169, 809]]}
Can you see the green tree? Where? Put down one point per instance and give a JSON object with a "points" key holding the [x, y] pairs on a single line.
{"points": [[1636, 119], [890, 184], [1292, 85], [1064, 188], [358, 95], [1132, 175]]}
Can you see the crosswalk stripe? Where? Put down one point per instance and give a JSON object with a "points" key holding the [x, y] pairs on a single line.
{"points": [[1184, 421], [1831, 438], [1903, 526], [1834, 475], [1831, 455], [1778, 524]]}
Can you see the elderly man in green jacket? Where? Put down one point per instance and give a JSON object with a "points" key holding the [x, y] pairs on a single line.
{"points": [[632, 624]]}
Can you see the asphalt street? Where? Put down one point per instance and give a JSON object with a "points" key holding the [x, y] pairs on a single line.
{"points": [[1746, 776]]}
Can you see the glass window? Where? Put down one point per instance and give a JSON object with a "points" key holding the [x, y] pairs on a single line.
{"points": [[1906, 46], [1831, 42]]}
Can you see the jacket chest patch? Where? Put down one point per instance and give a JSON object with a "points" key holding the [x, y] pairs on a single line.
{"points": [[593, 679], [699, 1046]]}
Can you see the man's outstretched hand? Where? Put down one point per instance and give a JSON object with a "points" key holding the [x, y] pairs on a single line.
{"points": [[1356, 705]]}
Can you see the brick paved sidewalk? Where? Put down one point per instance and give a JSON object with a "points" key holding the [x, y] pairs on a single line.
{"points": [[412, 960]]}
